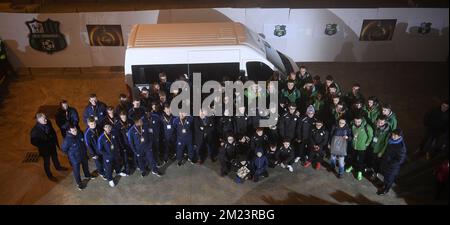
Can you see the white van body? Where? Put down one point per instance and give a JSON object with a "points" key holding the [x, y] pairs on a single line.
{"points": [[198, 44]]}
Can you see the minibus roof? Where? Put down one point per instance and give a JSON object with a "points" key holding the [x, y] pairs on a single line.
{"points": [[190, 34]]}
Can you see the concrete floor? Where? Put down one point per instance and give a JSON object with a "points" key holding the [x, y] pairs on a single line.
{"points": [[410, 87]]}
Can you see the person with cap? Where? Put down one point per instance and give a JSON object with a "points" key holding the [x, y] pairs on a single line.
{"points": [[75, 149], [259, 165], [109, 148], [141, 144], [393, 158], [95, 108], [182, 126], [121, 126], [304, 128], [43, 136], [386, 110], [340, 136], [66, 115], [318, 139], [204, 135], [152, 120], [362, 137], [91, 136], [378, 146], [124, 105], [137, 110], [285, 156], [227, 154], [168, 137], [258, 140]]}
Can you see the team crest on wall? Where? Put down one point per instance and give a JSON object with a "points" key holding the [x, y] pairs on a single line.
{"points": [[331, 29], [280, 30], [424, 28], [45, 36]]}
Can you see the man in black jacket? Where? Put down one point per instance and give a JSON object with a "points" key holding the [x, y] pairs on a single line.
{"points": [[304, 127], [227, 155], [436, 123], [204, 135], [318, 139], [66, 115], [43, 136]]}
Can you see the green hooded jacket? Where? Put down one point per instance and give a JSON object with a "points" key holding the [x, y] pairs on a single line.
{"points": [[362, 136], [380, 139]]}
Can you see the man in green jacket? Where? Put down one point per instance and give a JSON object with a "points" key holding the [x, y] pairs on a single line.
{"points": [[362, 137], [378, 145], [291, 93], [391, 117], [372, 110]]}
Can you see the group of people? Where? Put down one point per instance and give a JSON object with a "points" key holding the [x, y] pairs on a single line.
{"points": [[315, 120]]}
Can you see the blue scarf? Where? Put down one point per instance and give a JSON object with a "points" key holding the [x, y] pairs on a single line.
{"points": [[391, 141]]}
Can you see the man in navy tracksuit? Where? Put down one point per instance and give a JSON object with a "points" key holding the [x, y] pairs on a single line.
{"points": [[91, 136], [73, 146], [95, 108], [121, 127], [109, 148], [260, 164], [203, 135], [152, 121], [168, 138], [66, 115], [141, 144], [183, 133], [137, 110]]}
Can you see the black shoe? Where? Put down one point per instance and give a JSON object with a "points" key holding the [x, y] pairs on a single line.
{"points": [[159, 164], [214, 159], [382, 192], [90, 177], [144, 174], [52, 178], [340, 176], [62, 168], [222, 174], [180, 163], [81, 187]]}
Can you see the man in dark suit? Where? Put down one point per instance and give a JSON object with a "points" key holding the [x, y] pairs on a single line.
{"points": [[43, 136]]}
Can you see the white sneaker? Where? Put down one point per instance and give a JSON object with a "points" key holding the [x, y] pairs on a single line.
{"points": [[111, 183], [290, 168], [122, 174], [297, 159], [282, 165], [103, 177]]}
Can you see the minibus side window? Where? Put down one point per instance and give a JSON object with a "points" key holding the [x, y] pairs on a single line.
{"points": [[258, 71]]}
